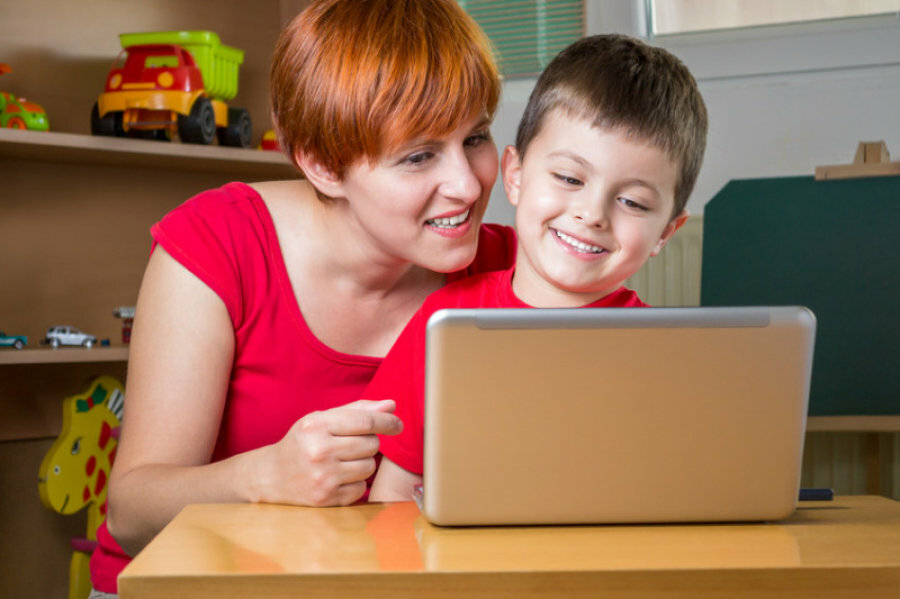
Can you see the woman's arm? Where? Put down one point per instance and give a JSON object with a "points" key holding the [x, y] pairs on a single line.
{"points": [[393, 483], [179, 368]]}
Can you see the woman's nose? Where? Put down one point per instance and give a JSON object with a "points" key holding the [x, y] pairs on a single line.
{"points": [[461, 181]]}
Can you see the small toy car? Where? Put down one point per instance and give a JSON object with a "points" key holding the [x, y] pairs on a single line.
{"points": [[269, 141], [19, 113], [15, 341], [66, 335], [126, 313]]}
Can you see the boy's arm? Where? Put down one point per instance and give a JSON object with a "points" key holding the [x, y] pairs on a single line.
{"points": [[401, 377], [393, 483]]}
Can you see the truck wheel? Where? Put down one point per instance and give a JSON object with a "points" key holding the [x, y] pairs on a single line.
{"points": [[109, 125], [200, 126], [239, 131], [18, 344]]}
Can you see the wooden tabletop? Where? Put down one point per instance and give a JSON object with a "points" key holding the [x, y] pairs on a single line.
{"points": [[849, 547]]}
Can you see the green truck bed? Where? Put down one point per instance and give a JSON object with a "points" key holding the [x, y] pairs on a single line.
{"points": [[217, 62]]}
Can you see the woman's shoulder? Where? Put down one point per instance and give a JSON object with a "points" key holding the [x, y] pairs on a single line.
{"points": [[219, 203]]}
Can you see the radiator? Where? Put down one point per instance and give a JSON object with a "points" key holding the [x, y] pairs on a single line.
{"points": [[673, 277], [853, 463], [838, 460]]}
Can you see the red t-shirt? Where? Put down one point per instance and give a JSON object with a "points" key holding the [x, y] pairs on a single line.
{"points": [[281, 371], [401, 376]]}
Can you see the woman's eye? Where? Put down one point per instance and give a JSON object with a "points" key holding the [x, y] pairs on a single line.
{"points": [[418, 158], [478, 138]]}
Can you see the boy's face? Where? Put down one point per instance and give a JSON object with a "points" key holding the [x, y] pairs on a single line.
{"points": [[592, 206]]}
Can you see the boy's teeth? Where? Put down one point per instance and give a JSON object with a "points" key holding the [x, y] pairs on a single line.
{"points": [[579, 245], [449, 222]]}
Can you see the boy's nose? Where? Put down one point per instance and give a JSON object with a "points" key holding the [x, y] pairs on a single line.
{"points": [[590, 214]]}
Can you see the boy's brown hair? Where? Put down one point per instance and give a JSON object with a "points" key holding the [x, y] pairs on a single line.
{"points": [[621, 83], [358, 78]]}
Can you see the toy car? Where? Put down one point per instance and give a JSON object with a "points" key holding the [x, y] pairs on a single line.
{"points": [[269, 141], [16, 341], [19, 113], [65, 335]]}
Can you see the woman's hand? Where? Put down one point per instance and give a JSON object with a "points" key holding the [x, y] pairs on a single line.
{"points": [[325, 458]]}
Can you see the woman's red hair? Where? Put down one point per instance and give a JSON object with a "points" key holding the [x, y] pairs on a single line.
{"points": [[358, 78]]}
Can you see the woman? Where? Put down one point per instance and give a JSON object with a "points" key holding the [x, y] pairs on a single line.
{"points": [[265, 309]]}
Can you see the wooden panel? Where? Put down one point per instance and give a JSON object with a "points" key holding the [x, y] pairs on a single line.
{"points": [[74, 240], [31, 395], [34, 541]]}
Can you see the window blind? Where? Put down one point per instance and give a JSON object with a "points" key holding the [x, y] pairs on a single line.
{"points": [[527, 34]]}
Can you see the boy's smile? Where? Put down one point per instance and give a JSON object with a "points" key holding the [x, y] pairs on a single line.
{"points": [[592, 205], [582, 249]]}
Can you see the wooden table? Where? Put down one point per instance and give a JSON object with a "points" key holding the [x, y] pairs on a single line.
{"points": [[849, 547]]}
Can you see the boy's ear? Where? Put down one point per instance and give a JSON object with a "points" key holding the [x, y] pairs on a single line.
{"points": [[319, 176], [512, 174], [670, 229]]}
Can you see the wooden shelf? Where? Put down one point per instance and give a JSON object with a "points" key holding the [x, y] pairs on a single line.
{"points": [[116, 353], [50, 146], [853, 424]]}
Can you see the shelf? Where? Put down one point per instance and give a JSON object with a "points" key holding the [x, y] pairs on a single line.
{"points": [[64, 355], [854, 424], [50, 146]]}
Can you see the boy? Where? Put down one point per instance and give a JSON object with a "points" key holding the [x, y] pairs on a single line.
{"points": [[606, 155]]}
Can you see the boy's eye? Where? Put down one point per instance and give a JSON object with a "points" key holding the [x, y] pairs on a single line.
{"points": [[632, 204], [568, 180]]}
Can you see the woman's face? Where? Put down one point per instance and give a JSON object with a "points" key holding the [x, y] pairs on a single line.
{"points": [[423, 202]]}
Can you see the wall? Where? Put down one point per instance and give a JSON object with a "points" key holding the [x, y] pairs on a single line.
{"points": [[781, 100]]}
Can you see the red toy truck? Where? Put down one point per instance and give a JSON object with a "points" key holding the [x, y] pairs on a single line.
{"points": [[173, 82]]}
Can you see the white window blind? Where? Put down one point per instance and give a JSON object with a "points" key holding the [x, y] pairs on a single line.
{"points": [[527, 34]]}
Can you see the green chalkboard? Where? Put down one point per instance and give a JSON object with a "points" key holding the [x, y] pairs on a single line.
{"points": [[833, 246]]}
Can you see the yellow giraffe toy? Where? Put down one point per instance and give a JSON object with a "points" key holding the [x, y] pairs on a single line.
{"points": [[75, 470]]}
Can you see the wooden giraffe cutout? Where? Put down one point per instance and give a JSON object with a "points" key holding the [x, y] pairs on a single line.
{"points": [[75, 470]]}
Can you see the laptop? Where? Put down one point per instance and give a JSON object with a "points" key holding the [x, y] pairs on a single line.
{"points": [[614, 415]]}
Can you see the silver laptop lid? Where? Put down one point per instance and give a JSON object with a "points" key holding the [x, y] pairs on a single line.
{"points": [[552, 416]]}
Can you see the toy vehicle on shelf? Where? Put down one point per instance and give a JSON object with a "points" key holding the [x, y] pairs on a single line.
{"points": [[66, 335], [269, 141], [126, 313], [19, 113], [14, 341], [173, 82]]}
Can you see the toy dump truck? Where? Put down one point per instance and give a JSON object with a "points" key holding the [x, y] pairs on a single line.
{"points": [[173, 82]]}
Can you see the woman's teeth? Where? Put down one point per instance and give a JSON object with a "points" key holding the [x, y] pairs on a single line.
{"points": [[451, 221], [579, 245]]}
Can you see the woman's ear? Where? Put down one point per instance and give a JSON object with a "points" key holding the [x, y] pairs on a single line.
{"points": [[327, 182], [512, 174], [670, 229]]}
